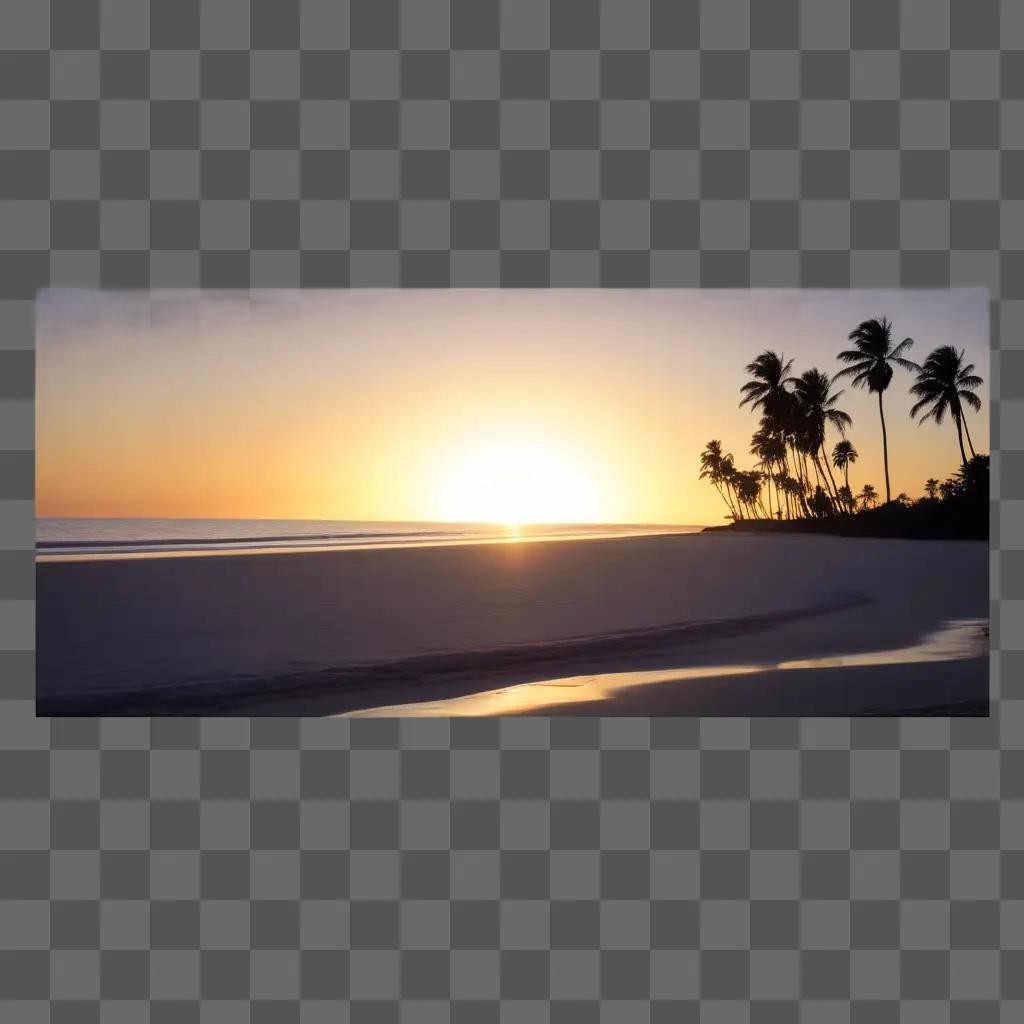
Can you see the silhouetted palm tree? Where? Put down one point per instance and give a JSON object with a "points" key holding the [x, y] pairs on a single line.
{"points": [[770, 448], [782, 483], [871, 361], [794, 492], [843, 455], [766, 391], [718, 467], [931, 487], [813, 390], [944, 384], [846, 498], [868, 497], [748, 490]]}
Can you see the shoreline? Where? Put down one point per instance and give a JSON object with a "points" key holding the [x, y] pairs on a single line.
{"points": [[687, 690]]}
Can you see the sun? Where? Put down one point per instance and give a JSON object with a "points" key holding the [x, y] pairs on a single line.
{"points": [[516, 481]]}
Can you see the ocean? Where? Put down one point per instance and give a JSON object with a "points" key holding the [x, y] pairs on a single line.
{"points": [[66, 539]]}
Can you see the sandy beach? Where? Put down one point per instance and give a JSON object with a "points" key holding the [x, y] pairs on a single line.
{"points": [[350, 631]]}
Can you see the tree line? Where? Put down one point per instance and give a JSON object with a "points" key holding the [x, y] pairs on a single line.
{"points": [[792, 477]]}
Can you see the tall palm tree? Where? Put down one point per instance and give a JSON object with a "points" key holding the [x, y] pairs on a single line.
{"points": [[870, 364], [931, 487], [868, 497], [944, 384], [843, 455], [813, 389]]}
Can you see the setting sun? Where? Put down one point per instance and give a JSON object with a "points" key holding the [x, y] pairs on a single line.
{"points": [[516, 481]]}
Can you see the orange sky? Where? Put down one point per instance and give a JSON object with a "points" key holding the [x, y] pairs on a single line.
{"points": [[459, 405]]}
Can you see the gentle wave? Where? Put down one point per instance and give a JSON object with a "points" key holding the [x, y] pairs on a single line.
{"points": [[64, 539], [172, 541]]}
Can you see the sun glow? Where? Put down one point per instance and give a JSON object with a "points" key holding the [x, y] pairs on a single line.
{"points": [[516, 481]]}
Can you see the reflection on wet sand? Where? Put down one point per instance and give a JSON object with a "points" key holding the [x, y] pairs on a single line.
{"points": [[953, 641]]}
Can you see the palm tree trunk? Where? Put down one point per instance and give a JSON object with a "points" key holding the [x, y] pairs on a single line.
{"points": [[835, 490], [819, 476], [727, 498], [721, 494], [738, 510], [960, 437], [817, 481], [885, 449], [730, 502], [832, 499], [968, 433]]}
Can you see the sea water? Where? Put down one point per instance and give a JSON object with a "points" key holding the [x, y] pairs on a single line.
{"points": [[119, 538]]}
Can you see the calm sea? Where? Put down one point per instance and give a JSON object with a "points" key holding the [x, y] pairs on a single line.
{"points": [[119, 538]]}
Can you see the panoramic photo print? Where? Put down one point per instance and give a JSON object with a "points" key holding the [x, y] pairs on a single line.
{"points": [[512, 502]]}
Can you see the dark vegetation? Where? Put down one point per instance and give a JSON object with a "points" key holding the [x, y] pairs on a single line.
{"points": [[960, 511], [791, 487]]}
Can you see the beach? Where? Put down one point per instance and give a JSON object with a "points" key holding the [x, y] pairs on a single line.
{"points": [[351, 631]]}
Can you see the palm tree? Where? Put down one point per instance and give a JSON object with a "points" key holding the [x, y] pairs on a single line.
{"points": [[868, 497], [846, 498], [931, 487], [871, 361], [945, 383], [767, 391], [748, 490], [843, 454], [770, 449], [770, 372], [813, 390], [783, 482], [793, 489], [718, 467]]}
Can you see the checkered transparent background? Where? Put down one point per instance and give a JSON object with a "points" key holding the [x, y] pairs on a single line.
{"points": [[308, 871]]}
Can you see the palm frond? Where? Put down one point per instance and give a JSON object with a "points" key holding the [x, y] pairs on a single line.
{"points": [[906, 364], [853, 356], [926, 401]]}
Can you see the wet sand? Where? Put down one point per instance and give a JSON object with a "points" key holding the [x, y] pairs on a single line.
{"points": [[930, 677]]}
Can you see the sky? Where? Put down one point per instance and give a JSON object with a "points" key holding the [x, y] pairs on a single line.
{"points": [[456, 405]]}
